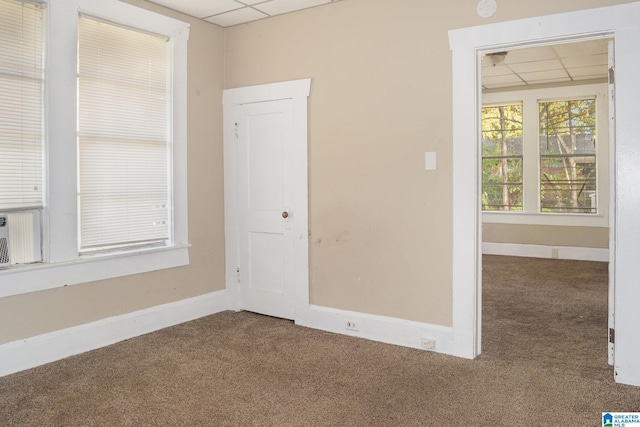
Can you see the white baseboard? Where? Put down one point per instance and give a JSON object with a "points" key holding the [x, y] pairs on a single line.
{"points": [[384, 329], [542, 251], [42, 349], [31, 352]]}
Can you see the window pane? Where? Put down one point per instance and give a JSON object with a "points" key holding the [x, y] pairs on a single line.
{"points": [[499, 193], [502, 157], [567, 156], [21, 87], [568, 184], [123, 137]]}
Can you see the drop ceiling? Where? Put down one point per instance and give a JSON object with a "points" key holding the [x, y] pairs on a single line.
{"points": [[227, 13], [567, 63]]}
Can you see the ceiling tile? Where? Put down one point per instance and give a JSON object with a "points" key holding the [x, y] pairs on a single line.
{"points": [[547, 81], [538, 76], [530, 54], [585, 60], [236, 17], [501, 80], [598, 71], [276, 7], [500, 85], [528, 67], [200, 8], [590, 47], [540, 65], [498, 70], [251, 2]]}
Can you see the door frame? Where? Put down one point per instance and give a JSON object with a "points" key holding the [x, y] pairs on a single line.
{"points": [[620, 22], [298, 91]]}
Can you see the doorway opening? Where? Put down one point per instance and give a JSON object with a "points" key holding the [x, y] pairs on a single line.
{"points": [[546, 135], [466, 44]]}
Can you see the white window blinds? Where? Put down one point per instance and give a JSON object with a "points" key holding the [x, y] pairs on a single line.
{"points": [[21, 88], [123, 136]]}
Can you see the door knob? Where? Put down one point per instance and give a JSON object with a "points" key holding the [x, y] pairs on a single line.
{"points": [[285, 214]]}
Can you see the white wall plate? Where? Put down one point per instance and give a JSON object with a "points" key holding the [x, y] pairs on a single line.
{"points": [[486, 8]]}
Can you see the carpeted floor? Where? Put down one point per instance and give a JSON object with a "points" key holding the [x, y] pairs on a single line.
{"points": [[543, 362]]}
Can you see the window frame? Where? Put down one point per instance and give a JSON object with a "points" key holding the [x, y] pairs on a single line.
{"points": [[100, 125], [531, 213], [63, 264], [542, 156]]}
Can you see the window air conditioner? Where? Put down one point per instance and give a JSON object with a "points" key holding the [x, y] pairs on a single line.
{"points": [[4, 241]]}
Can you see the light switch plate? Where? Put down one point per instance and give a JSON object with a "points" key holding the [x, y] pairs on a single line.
{"points": [[430, 161]]}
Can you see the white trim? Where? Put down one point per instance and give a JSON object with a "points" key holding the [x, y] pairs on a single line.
{"points": [[301, 205], [612, 207], [267, 92], [28, 353], [298, 91], [466, 275], [544, 251], [131, 16], [39, 277], [467, 44], [31, 352], [231, 243], [384, 329], [555, 219]]}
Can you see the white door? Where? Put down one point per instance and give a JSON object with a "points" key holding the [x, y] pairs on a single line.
{"points": [[265, 198]]}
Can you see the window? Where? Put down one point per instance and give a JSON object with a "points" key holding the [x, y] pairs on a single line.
{"points": [[502, 157], [568, 156], [545, 151], [21, 124], [112, 140], [123, 137]]}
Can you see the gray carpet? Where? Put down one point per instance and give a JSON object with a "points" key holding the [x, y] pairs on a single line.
{"points": [[544, 362]]}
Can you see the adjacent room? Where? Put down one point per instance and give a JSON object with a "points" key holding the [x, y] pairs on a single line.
{"points": [[546, 138]]}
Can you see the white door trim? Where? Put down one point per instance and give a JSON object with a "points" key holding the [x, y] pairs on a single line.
{"points": [[611, 123], [298, 91], [466, 44]]}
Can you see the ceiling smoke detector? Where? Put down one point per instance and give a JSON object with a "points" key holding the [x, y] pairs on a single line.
{"points": [[486, 8]]}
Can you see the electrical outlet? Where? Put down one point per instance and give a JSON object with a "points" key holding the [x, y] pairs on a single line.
{"points": [[351, 325], [428, 344]]}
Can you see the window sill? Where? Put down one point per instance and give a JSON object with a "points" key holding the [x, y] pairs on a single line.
{"points": [[23, 279], [575, 220]]}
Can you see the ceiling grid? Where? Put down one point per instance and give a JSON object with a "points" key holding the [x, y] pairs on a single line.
{"points": [[227, 13]]}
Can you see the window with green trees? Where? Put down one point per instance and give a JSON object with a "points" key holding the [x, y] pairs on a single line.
{"points": [[502, 157], [553, 171], [568, 156]]}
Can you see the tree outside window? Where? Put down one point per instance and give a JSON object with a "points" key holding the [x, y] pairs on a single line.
{"points": [[568, 156], [502, 158]]}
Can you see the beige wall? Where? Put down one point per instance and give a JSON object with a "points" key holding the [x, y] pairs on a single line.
{"points": [[581, 237], [31, 314], [381, 226]]}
